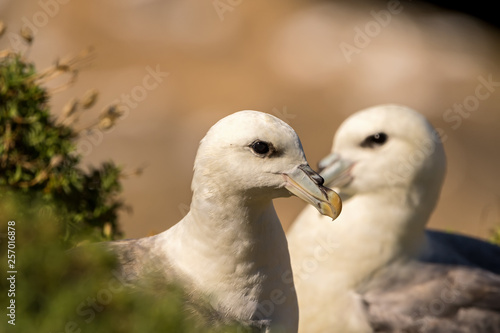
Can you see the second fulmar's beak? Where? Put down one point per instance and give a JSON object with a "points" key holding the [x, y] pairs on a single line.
{"points": [[308, 185], [335, 170]]}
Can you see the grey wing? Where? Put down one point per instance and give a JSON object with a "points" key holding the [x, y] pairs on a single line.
{"points": [[129, 258], [456, 249], [130, 255], [425, 298], [137, 262]]}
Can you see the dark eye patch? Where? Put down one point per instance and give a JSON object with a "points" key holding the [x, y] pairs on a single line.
{"points": [[261, 148], [374, 140]]}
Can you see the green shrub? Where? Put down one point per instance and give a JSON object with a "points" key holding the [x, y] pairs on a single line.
{"points": [[58, 291], [39, 161], [53, 204]]}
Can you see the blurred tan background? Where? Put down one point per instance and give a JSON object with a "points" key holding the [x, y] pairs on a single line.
{"points": [[311, 63]]}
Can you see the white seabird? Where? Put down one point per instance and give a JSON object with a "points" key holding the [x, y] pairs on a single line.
{"points": [[375, 269], [230, 252]]}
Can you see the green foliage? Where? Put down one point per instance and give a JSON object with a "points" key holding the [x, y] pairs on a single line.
{"points": [[39, 161], [56, 204], [66, 291]]}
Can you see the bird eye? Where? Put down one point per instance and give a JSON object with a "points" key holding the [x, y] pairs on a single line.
{"points": [[377, 139], [260, 147]]}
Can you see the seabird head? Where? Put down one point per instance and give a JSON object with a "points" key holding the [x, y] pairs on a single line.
{"points": [[385, 146], [258, 156]]}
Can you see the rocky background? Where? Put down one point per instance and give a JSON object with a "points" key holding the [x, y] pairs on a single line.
{"points": [[178, 66]]}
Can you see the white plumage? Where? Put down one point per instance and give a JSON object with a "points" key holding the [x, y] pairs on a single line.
{"points": [[375, 268], [230, 252]]}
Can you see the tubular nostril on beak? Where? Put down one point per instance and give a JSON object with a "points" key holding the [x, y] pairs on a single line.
{"points": [[328, 161], [318, 179], [311, 174]]}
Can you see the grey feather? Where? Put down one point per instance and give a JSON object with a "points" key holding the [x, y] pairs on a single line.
{"points": [[433, 298]]}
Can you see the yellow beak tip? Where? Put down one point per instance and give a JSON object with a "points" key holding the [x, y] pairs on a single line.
{"points": [[333, 207]]}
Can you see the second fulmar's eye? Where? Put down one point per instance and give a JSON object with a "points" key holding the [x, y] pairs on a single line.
{"points": [[377, 139], [260, 147]]}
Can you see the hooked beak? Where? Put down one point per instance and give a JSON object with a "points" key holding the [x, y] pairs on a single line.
{"points": [[335, 170], [308, 185]]}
